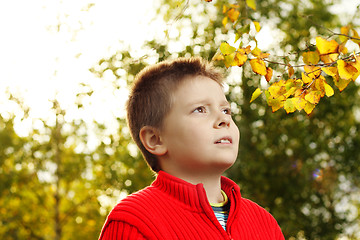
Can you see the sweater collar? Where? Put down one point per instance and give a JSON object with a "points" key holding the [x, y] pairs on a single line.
{"points": [[191, 195]]}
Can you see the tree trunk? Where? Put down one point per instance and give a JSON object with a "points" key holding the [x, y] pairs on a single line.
{"points": [[57, 144]]}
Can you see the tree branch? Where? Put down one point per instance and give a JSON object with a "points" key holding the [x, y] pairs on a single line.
{"points": [[316, 65]]}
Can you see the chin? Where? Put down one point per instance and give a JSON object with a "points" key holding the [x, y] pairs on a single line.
{"points": [[224, 165]]}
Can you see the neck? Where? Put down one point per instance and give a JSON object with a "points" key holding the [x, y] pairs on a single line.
{"points": [[213, 190]]}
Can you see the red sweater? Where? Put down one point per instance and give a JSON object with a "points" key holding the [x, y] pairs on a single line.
{"points": [[174, 209]]}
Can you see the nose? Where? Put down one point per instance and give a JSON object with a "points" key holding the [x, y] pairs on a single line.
{"points": [[223, 120]]}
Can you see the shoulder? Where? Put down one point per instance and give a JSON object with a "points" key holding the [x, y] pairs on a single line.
{"points": [[136, 204], [255, 213], [254, 208], [120, 230], [132, 214]]}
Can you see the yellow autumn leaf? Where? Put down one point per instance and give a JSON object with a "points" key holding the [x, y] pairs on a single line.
{"points": [[305, 78], [331, 71], [240, 59], [255, 94], [264, 55], [277, 88], [300, 103], [225, 8], [256, 52], [218, 57], [341, 83], [298, 83], [245, 50], [233, 14], [356, 38], [251, 4], [312, 71], [269, 73], [329, 91], [313, 97], [347, 70], [226, 49], [241, 56], [345, 31], [291, 71], [275, 104], [289, 105], [328, 49], [229, 60], [329, 58], [257, 26], [224, 21], [342, 48], [309, 107], [289, 84], [325, 47], [300, 93], [356, 76], [357, 62], [319, 84], [290, 92], [311, 57], [258, 66]]}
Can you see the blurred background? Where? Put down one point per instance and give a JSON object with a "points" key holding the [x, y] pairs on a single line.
{"points": [[66, 156]]}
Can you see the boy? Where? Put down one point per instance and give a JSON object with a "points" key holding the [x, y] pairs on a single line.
{"points": [[180, 119]]}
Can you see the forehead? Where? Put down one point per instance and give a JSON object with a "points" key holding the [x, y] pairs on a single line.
{"points": [[194, 88]]}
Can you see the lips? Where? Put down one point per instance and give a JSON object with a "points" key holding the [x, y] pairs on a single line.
{"points": [[224, 140]]}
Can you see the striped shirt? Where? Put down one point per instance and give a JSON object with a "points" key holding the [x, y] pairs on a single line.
{"points": [[221, 210]]}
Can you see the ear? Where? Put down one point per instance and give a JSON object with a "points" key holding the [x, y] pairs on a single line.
{"points": [[150, 138]]}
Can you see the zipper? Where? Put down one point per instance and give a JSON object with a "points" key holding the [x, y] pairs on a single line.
{"points": [[230, 220], [210, 213]]}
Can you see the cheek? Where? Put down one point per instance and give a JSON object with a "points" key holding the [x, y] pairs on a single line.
{"points": [[186, 136], [237, 132], [193, 137]]}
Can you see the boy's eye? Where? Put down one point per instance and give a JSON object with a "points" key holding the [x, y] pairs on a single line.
{"points": [[201, 109], [227, 111]]}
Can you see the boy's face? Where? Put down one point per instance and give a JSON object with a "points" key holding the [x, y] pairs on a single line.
{"points": [[198, 132]]}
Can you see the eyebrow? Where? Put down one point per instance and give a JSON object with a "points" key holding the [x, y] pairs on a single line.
{"points": [[204, 101], [225, 103]]}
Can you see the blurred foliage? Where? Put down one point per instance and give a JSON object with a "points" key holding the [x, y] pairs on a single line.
{"points": [[54, 184], [303, 169]]}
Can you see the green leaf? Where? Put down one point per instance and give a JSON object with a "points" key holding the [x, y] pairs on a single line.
{"points": [[229, 60], [226, 49], [244, 29], [237, 36]]}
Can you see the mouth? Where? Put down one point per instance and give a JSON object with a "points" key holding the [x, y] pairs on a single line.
{"points": [[224, 140]]}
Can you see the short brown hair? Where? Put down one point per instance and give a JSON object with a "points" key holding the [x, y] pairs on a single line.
{"points": [[150, 97]]}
